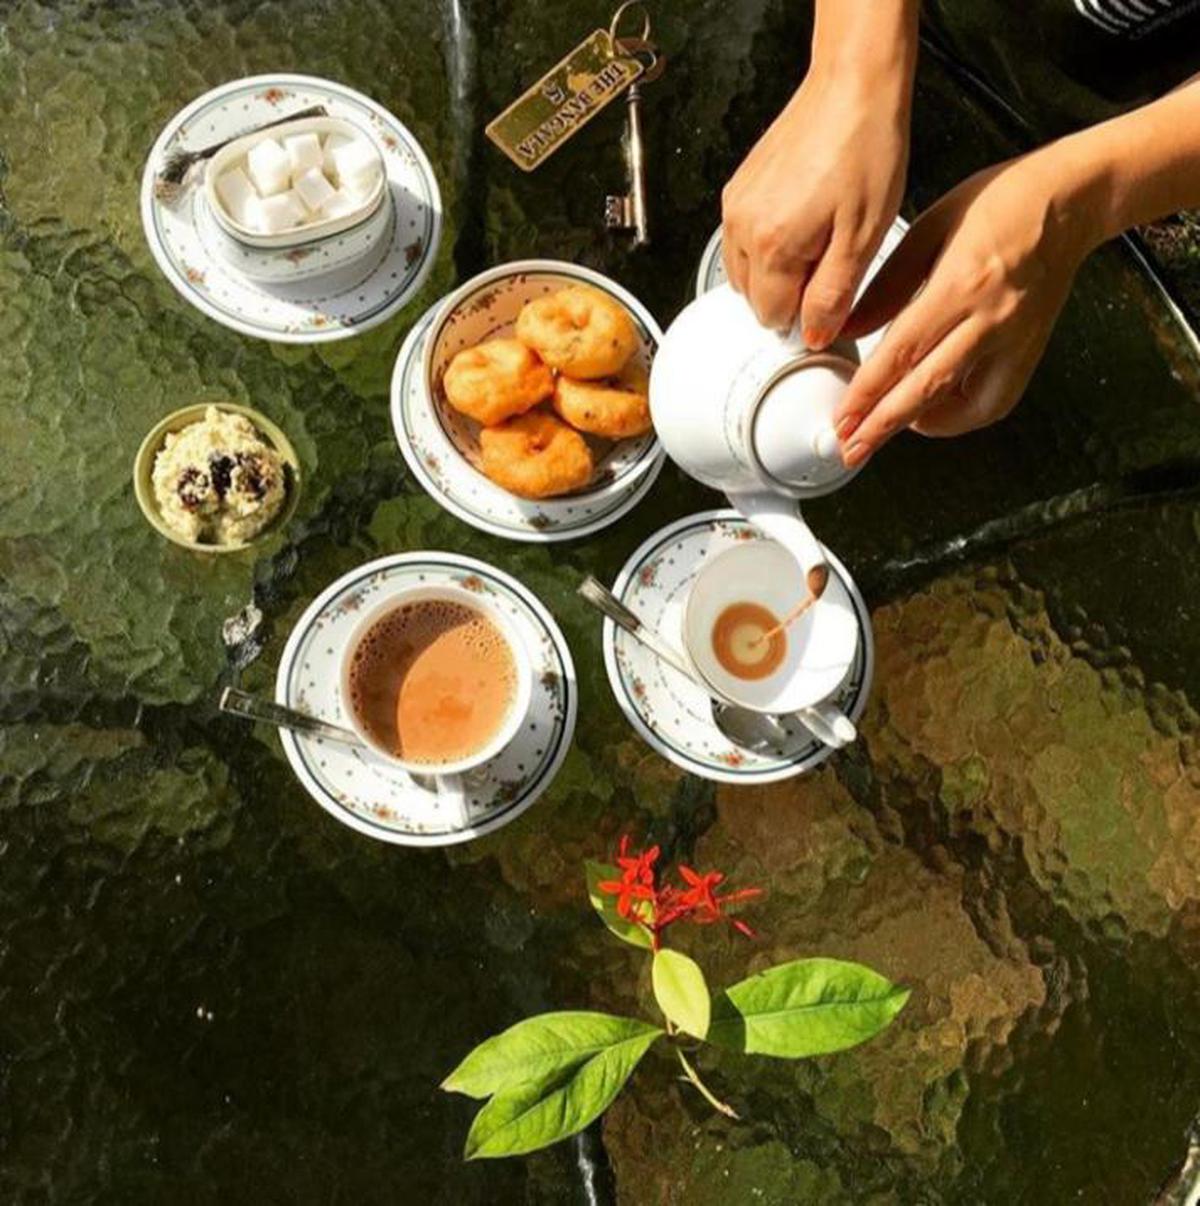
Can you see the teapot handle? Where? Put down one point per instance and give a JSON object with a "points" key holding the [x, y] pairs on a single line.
{"points": [[779, 518]]}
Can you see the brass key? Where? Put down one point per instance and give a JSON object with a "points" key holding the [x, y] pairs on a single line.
{"points": [[628, 211]]}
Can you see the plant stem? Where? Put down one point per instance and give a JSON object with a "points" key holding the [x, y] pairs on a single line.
{"points": [[705, 1092]]}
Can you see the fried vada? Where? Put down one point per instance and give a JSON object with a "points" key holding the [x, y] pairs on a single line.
{"points": [[616, 408], [579, 331], [535, 455], [496, 380]]}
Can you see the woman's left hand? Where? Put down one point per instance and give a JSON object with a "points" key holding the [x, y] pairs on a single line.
{"points": [[973, 292]]}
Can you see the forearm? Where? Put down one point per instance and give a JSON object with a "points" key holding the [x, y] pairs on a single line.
{"points": [[871, 45], [1135, 168]]}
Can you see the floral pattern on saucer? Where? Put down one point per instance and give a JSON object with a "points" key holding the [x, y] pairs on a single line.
{"points": [[672, 713], [445, 473], [313, 308], [366, 793]]}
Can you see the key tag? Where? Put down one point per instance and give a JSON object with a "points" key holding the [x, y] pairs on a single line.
{"points": [[571, 93]]}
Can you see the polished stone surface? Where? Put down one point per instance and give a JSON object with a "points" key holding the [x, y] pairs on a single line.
{"points": [[213, 992]]}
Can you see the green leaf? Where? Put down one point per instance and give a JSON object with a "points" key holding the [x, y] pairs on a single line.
{"points": [[606, 906], [529, 1116], [809, 1007], [540, 1048], [680, 991]]}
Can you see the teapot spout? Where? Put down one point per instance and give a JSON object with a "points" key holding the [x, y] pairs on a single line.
{"points": [[779, 518]]}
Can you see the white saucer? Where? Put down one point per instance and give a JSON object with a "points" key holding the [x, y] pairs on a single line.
{"points": [[670, 712], [711, 273], [364, 792], [314, 309], [446, 475]]}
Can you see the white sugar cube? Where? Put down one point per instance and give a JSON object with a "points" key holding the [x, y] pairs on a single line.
{"points": [[237, 195], [313, 189], [331, 144], [281, 212], [360, 187], [339, 205], [252, 215], [356, 162], [269, 167], [303, 152]]}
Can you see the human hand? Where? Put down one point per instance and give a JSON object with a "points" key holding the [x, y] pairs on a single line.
{"points": [[973, 292], [806, 211]]}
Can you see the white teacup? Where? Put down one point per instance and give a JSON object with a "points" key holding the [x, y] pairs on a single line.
{"points": [[821, 644], [448, 776]]}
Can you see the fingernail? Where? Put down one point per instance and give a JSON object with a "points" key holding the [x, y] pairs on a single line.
{"points": [[845, 425], [856, 454], [816, 337]]}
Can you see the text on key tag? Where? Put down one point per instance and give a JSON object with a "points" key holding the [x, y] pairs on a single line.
{"points": [[564, 100]]}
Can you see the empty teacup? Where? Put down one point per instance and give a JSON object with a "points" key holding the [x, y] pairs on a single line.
{"points": [[435, 681], [734, 604]]}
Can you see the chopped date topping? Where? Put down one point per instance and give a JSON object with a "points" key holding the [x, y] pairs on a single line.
{"points": [[220, 468], [192, 486], [255, 477]]}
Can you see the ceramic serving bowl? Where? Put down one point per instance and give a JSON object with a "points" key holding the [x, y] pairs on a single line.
{"points": [[365, 244], [143, 472], [285, 240], [486, 307]]}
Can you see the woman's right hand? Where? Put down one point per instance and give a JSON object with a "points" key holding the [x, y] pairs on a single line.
{"points": [[808, 208]]}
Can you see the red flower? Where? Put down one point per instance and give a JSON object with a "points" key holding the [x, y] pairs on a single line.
{"points": [[699, 895], [626, 893], [638, 868], [697, 901]]}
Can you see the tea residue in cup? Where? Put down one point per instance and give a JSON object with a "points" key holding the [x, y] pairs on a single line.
{"points": [[433, 681], [748, 641]]}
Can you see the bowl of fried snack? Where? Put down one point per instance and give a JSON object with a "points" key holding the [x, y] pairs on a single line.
{"points": [[538, 371]]}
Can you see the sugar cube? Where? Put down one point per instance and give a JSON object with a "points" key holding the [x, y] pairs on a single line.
{"points": [[304, 152], [281, 212], [357, 163], [236, 194], [269, 167], [313, 189], [252, 215], [331, 144], [339, 205], [361, 187]]}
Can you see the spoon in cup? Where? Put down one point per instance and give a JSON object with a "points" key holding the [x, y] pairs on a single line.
{"points": [[817, 580], [756, 731], [251, 707]]}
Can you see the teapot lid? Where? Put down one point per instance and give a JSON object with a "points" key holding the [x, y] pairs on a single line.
{"points": [[792, 434]]}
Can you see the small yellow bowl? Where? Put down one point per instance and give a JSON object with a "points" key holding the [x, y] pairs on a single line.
{"points": [[143, 472]]}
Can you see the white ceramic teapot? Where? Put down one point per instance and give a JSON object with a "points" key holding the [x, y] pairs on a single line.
{"points": [[750, 412]]}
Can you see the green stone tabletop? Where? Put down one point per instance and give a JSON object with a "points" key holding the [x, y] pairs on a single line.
{"points": [[210, 991]]}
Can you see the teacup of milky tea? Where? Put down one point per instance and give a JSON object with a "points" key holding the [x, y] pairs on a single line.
{"points": [[735, 603], [435, 681]]}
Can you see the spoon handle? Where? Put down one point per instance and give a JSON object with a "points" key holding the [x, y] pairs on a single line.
{"points": [[251, 707], [603, 600], [213, 147]]}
